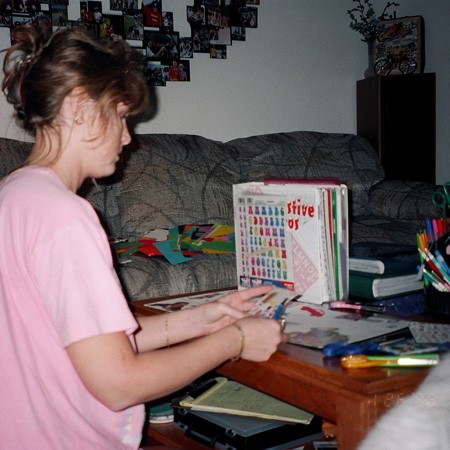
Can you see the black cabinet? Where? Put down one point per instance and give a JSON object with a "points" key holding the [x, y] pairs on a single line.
{"points": [[397, 115]]}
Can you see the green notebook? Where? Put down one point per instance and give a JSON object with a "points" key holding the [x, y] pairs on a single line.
{"points": [[376, 287], [230, 397], [385, 265]]}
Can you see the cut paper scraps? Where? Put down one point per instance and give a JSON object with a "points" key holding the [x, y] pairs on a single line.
{"points": [[178, 244]]}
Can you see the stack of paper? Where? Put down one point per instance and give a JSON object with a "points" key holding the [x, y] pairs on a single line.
{"points": [[316, 326]]}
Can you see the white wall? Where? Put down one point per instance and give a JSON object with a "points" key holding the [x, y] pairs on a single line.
{"points": [[285, 76], [296, 71]]}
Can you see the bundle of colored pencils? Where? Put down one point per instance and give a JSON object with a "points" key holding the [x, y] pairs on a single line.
{"points": [[434, 268]]}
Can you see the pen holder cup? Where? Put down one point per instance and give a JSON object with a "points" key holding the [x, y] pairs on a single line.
{"points": [[437, 302]]}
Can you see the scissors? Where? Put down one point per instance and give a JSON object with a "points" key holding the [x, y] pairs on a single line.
{"points": [[364, 361], [441, 198], [344, 348]]}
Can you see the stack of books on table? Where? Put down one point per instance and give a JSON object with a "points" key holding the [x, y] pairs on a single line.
{"points": [[381, 277]]}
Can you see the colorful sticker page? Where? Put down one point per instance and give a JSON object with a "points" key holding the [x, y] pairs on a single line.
{"points": [[273, 303], [264, 252], [268, 305]]}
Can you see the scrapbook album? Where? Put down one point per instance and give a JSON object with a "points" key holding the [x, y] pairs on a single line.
{"points": [[293, 234]]}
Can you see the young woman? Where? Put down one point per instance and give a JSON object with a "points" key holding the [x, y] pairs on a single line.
{"points": [[76, 366]]}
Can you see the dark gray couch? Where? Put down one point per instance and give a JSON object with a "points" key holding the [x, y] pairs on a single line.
{"points": [[166, 180]]}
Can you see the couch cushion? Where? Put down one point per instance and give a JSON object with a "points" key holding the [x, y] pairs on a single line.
{"points": [[104, 196], [403, 200], [12, 154], [307, 154], [174, 180], [145, 277], [370, 229]]}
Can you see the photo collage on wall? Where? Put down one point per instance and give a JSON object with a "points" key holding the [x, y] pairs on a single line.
{"points": [[146, 26]]}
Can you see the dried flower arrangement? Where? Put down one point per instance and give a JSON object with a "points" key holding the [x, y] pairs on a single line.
{"points": [[364, 19]]}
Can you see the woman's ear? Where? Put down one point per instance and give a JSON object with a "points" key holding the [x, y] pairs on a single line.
{"points": [[75, 106]]}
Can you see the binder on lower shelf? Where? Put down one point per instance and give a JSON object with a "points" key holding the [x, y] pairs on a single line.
{"points": [[230, 432]]}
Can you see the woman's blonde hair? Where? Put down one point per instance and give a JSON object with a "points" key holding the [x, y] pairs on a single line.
{"points": [[41, 69]]}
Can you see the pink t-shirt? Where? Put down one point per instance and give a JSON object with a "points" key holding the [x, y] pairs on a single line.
{"points": [[57, 287]]}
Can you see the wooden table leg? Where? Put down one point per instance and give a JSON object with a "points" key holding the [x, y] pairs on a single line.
{"points": [[355, 416]]}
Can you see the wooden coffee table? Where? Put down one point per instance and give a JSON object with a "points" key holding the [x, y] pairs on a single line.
{"points": [[353, 400]]}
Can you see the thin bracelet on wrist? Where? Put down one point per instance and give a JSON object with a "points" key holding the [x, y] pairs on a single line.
{"points": [[242, 342], [166, 329]]}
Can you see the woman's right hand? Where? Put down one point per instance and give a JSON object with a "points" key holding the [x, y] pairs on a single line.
{"points": [[261, 338]]}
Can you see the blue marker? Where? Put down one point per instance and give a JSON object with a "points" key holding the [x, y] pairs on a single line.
{"points": [[429, 230], [282, 306], [279, 311]]}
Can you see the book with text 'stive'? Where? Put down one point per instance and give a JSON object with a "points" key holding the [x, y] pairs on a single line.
{"points": [[293, 234], [377, 287], [230, 397]]}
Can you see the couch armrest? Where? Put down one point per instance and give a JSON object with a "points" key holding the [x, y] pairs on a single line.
{"points": [[404, 200]]}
